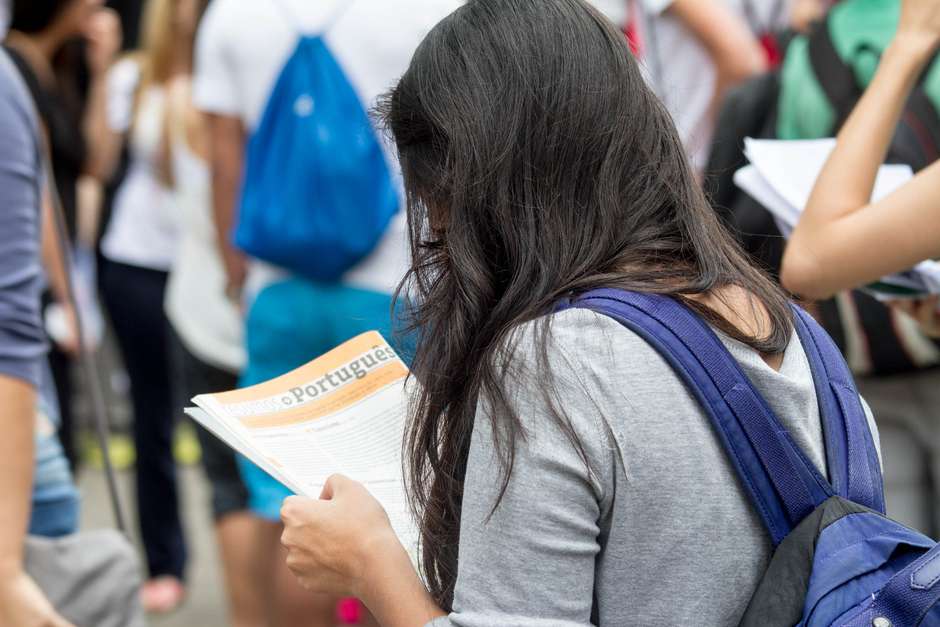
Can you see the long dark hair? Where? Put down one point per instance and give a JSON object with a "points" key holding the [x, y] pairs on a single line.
{"points": [[537, 164]]}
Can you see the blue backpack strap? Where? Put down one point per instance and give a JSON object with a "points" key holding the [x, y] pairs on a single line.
{"points": [[854, 469], [782, 483]]}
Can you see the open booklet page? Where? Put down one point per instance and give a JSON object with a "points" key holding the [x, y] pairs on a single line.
{"points": [[342, 413]]}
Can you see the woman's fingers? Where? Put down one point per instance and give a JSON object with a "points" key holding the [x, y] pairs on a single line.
{"points": [[331, 541], [924, 311], [928, 316], [907, 306], [920, 22], [298, 510], [334, 486]]}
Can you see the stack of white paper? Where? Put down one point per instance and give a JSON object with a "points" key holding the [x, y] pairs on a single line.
{"points": [[781, 177]]}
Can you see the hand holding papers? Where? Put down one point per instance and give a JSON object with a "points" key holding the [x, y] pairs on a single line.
{"points": [[341, 413], [781, 177]]}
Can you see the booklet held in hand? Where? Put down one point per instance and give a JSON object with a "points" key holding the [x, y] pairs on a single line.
{"points": [[341, 413]]}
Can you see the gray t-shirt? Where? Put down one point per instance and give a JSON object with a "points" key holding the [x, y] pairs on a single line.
{"points": [[659, 532], [22, 338]]}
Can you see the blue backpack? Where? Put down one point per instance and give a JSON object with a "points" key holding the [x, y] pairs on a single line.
{"points": [[317, 193], [837, 561]]}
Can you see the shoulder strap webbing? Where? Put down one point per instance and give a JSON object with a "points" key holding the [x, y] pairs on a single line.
{"points": [[854, 468], [780, 480], [834, 75], [922, 118]]}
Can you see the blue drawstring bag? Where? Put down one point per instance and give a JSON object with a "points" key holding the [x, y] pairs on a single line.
{"points": [[317, 193]]}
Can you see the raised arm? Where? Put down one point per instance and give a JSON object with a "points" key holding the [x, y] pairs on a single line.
{"points": [[843, 240]]}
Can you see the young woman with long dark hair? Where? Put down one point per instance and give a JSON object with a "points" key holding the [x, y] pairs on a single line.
{"points": [[561, 472]]}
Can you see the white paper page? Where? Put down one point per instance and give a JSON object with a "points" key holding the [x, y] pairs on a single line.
{"points": [[792, 167], [750, 180], [789, 167], [238, 444]]}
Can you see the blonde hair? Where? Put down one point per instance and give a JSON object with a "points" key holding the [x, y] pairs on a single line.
{"points": [[158, 46]]}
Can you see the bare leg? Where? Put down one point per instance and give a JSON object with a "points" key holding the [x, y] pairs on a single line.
{"points": [[239, 535]]}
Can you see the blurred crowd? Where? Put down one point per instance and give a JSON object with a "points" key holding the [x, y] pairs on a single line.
{"points": [[154, 114]]}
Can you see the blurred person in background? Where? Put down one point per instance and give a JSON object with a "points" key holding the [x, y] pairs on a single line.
{"points": [[210, 350], [138, 249], [41, 44], [36, 491], [693, 51], [844, 241], [822, 79], [241, 50]]}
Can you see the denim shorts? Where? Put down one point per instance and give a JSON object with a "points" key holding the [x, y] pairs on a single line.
{"points": [[55, 502]]}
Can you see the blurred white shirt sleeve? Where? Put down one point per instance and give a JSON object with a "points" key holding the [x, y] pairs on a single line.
{"points": [[214, 83], [122, 88]]}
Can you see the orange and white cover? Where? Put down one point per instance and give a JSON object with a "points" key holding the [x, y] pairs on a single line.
{"points": [[342, 413]]}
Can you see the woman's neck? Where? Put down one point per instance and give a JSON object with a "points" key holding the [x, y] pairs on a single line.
{"points": [[744, 311]]}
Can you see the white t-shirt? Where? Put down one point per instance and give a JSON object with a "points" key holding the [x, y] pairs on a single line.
{"points": [[143, 230], [680, 70], [242, 47]]}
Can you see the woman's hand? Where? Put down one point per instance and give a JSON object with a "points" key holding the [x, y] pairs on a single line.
{"points": [[22, 604], [919, 25], [69, 343], [805, 12], [924, 311], [335, 544]]}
